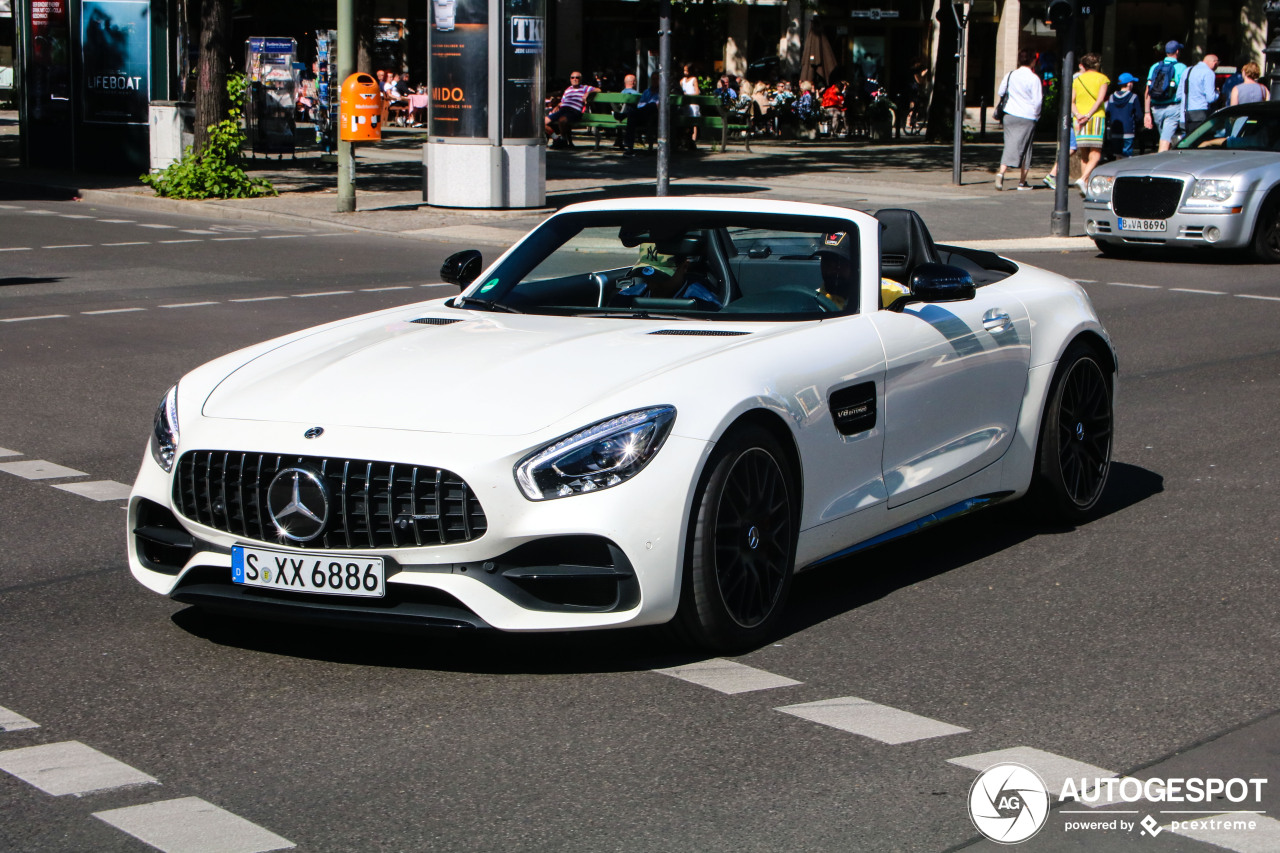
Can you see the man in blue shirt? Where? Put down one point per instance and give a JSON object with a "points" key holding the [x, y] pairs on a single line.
{"points": [[1164, 108], [1201, 92], [645, 113]]}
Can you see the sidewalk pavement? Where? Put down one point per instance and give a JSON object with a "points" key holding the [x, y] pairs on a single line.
{"points": [[389, 184]]}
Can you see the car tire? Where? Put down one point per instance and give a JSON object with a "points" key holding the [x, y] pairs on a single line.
{"points": [[1073, 457], [740, 556], [1266, 232]]}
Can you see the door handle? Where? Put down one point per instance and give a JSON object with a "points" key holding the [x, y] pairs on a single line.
{"points": [[996, 321]]}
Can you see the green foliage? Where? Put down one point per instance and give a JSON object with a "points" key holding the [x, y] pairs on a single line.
{"points": [[215, 172], [1049, 108]]}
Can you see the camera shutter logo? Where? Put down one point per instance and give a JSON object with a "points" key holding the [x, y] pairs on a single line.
{"points": [[1008, 803]]}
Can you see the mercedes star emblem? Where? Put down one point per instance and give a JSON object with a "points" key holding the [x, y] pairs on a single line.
{"points": [[299, 504], [314, 432]]}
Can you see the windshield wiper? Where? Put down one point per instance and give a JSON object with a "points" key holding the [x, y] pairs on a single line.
{"points": [[634, 315], [482, 304]]}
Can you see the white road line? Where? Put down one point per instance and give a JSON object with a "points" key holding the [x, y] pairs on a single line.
{"points": [[10, 207], [16, 249], [1194, 290], [1263, 838], [1251, 296], [152, 225], [113, 311], [231, 239], [1087, 280], [39, 469], [283, 236], [75, 216], [189, 304], [380, 289], [6, 452], [12, 721], [726, 676], [40, 317], [188, 240], [197, 231], [68, 246], [259, 299], [1141, 286], [42, 212], [119, 221], [325, 293], [1053, 769], [133, 243], [97, 490], [878, 722], [70, 767], [191, 825]]}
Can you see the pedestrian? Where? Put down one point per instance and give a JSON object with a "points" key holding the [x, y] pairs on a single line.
{"points": [[622, 113], [1163, 97], [1021, 112], [1250, 91], [644, 114], [1122, 117], [833, 106], [1088, 99], [689, 86], [1201, 92], [573, 103]]}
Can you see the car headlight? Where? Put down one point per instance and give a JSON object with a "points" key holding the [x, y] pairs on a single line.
{"points": [[1212, 190], [1100, 185], [164, 434], [598, 457]]}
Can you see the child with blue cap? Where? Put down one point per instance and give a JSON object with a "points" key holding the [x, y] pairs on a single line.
{"points": [[1123, 109]]}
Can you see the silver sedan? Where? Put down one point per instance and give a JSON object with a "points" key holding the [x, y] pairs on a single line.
{"points": [[1219, 187]]}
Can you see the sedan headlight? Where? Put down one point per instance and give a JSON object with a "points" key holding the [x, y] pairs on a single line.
{"points": [[1100, 185], [1212, 190], [164, 434], [598, 457]]}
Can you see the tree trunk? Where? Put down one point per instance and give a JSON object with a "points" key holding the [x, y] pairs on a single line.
{"points": [[366, 26], [214, 64]]}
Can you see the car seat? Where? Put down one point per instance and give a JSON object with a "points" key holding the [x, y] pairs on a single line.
{"points": [[905, 243]]}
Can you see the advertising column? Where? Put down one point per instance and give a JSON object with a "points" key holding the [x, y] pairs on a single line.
{"points": [[485, 143], [115, 85], [45, 56]]}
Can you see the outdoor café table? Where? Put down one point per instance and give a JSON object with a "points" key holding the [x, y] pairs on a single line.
{"points": [[418, 104]]}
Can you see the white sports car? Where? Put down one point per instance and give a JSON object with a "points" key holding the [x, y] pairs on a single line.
{"points": [[646, 411]]}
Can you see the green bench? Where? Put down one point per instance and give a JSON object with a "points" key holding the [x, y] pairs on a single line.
{"points": [[603, 107]]}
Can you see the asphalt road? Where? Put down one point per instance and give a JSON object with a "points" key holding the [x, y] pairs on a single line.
{"points": [[1119, 644]]}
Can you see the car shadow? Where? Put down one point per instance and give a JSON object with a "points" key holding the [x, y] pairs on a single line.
{"points": [[1177, 255], [817, 596]]}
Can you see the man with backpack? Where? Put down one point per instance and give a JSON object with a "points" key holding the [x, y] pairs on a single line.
{"points": [[1163, 98]]}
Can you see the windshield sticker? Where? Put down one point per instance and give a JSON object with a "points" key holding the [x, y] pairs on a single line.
{"points": [[834, 239], [489, 285]]}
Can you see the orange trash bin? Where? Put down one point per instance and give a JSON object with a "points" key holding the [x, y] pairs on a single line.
{"points": [[359, 109]]}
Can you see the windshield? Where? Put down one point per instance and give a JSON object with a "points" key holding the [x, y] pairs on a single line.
{"points": [[1256, 131], [696, 264]]}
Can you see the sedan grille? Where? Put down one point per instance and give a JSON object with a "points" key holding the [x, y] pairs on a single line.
{"points": [[1146, 198], [371, 504]]}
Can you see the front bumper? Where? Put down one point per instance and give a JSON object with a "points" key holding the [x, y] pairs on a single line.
{"points": [[605, 559], [1220, 228]]}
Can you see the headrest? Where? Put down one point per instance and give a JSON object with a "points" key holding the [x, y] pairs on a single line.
{"points": [[905, 243]]}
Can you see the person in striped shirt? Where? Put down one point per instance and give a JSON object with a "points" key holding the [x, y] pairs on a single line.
{"points": [[573, 103]]}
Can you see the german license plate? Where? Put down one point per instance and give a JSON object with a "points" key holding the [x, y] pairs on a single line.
{"points": [[292, 571], [1143, 225]]}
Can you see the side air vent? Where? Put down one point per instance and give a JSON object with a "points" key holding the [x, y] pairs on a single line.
{"points": [[436, 321], [704, 333]]}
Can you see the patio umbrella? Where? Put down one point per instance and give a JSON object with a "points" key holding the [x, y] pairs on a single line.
{"points": [[817, 60]]}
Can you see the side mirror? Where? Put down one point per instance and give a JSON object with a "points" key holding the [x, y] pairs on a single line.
{"points": [[462, 268], [940, 283]]}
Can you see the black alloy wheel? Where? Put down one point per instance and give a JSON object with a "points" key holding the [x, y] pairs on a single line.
{"points": [[742, 544], [1074, 457], [1266, 232]]}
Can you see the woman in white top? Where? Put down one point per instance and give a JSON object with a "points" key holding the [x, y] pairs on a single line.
{"points": [[689, 85], [1021, 112]]}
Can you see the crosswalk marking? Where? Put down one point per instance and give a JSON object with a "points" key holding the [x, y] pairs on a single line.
{"points": [[39, 469], [192, 825], [1053, 769], [97, 490], [1263, 838], [726, 676], [7, 452], [12, 721], [878, 722], [70, 767]]}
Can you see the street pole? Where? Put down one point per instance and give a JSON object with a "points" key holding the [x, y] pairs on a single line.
{"points": [[962, 21], [664, 97], [346, 67], [1060, 220]]}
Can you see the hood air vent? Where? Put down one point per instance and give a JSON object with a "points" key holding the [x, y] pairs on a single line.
{"points": [[705, 333], [436, 321]]}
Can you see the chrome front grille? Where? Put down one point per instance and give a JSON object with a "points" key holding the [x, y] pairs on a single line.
{"points": [[371, 504], [1146, 198]]}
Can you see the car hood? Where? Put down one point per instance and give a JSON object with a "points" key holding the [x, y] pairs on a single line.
{"points": [[1193, 164], [483, 374]]}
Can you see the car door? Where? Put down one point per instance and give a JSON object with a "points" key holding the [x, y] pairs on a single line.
{"points": [[954, 381]]}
